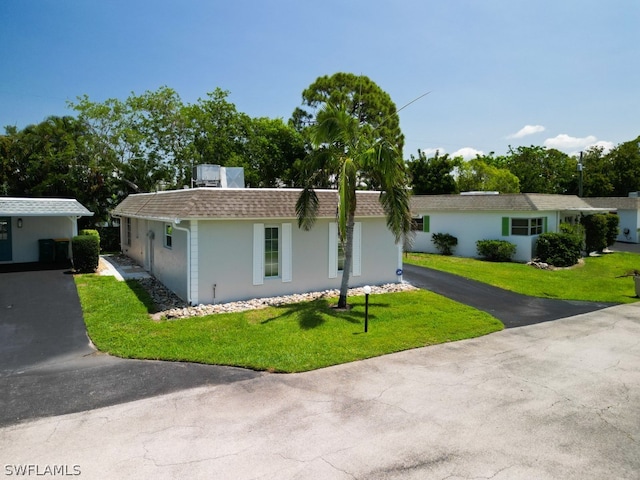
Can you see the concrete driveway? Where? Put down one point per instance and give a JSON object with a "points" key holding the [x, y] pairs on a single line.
{"points": [[556, 400]]}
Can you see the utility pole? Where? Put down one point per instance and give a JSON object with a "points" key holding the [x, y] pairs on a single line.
{"points": [[580, 176]]}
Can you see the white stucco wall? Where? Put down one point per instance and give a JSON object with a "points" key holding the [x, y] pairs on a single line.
{"points": [[469, 227], [629, 219], [25, 246], [225, 253]]}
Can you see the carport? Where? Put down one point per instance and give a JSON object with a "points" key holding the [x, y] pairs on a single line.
{"points": [[38, 229]]}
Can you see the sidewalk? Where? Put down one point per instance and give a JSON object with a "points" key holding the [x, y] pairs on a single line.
{"points": [[122, 270]]}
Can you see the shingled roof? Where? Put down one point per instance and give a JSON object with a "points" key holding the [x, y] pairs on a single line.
{"points": [[42, 207], [520, 202], [231, 203], [615, 203]]}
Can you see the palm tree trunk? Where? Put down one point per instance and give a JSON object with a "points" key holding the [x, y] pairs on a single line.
{"points": [[348, 259]]}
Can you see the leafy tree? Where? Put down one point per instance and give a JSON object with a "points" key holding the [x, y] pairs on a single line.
{"points": [[346, 148], [542, 170], [597, 173], [477, 175], [432, 175], [360, 97], [55, 158], [624, 164], [271, 150]]}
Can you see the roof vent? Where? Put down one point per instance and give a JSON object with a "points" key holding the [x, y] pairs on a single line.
{"points": [[219, 177]]}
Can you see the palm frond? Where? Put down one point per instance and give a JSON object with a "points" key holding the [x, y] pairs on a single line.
{"points": [[395, 201], [307, 208]]}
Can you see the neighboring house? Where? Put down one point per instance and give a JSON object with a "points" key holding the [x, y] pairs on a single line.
{"points": [[628, 209], [29, 228], [217, 245], [517, 218]]}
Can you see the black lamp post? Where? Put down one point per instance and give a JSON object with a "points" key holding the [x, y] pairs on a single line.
{"points": [[367, 291]]}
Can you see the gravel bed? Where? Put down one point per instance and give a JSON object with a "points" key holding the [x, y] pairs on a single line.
{"points": [[170, 306]]}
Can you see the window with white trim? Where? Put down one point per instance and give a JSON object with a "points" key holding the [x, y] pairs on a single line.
{"points": [[271, 252], [336, 251], [527, 226], [168, 235]]}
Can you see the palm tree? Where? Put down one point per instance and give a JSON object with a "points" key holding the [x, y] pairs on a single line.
{"points": [[348, 153]]}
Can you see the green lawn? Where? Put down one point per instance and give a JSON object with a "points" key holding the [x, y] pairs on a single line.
{"points": [[595, 280], [290, 338]]}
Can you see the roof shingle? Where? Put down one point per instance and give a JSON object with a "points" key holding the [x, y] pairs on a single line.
{"points": [[223, 203], [42, 207], [521, 202]]}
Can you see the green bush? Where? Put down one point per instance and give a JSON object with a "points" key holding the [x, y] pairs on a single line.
{"points": [[559, 249], [86, 253], [595, 232], [496, 250], [612, 228], [89, 231], [444, 242]]}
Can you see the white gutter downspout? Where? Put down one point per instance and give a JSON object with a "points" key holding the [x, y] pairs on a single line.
{"points": [[183, 229]]}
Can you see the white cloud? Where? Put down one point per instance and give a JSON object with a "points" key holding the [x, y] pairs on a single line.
{"points": [[565, 142], [527, 130], [467, 153], [606, 146]]}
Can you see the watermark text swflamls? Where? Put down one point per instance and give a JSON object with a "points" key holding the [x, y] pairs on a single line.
{"points": [[35, 470]]}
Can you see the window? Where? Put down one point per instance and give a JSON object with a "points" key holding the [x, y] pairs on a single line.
{"points": [[336, 251], [271, 252], [340, 256], [128, 231], [168, 235], [420, 224], [527, 226], [4, 230]]}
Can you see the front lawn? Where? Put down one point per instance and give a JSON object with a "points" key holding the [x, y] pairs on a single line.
{"points": [[595, 280], [291, 338]]}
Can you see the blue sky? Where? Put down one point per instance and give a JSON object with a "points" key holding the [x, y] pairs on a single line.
{"points": [[560, 73]]}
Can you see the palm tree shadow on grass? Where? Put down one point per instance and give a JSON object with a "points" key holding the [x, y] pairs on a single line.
{"points": [[313, 314]]}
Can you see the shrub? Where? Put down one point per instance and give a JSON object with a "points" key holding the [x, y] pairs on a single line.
{"points": [[89, 231], [595, 232], [612, 228], [86, 253], [444, 242], [496, 250], [559, 249]]}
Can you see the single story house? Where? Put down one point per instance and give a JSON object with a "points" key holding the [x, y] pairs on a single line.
{"points": [[628, 210], [213, 245], [29, 228], [517, 218]]}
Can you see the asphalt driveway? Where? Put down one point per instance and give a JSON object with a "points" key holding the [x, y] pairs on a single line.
{"points": [[512, 309], [49, 367]]}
